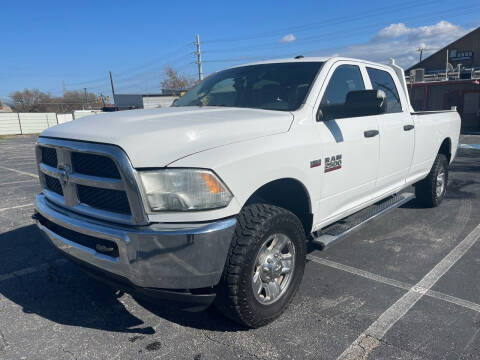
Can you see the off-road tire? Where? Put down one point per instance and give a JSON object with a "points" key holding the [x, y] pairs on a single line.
{"points": [[426, 190], [235, 297]]}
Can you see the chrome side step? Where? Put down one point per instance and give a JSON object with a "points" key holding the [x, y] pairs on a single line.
{"points": [[338, 230]]}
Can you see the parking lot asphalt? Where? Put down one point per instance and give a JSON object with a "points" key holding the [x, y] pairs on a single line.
{"points": [[406, 286]]}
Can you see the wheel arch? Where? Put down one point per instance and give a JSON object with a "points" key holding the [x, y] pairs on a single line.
{"points": [[288, 193], [446, 148]]}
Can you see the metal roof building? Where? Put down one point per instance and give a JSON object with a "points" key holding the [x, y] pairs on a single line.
{"points": [[464, 52], [143, 101], [436, 84]]}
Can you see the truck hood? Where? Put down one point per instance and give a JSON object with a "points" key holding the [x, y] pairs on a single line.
{"points": [[157, 137]]}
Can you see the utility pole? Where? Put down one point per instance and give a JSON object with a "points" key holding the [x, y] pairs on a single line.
{"points": [[111, 83], [446, 67], [64, 88], [421, 49], [199, 58], [86, 100]]}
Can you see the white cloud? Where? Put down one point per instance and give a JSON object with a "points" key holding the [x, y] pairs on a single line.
{"points": [[288, 38], [401, 42], [393, 31]]}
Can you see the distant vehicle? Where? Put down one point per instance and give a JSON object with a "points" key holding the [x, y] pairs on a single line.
{"points": [[214, 199]]}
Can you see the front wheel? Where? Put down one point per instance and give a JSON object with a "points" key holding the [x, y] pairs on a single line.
{"points": [[265, 265], [431, 190]]}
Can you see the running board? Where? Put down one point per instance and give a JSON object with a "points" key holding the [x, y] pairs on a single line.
{"points": [[338, 230]]}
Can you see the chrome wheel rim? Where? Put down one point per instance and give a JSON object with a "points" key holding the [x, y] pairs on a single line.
{"points": [[440, 183], [273, 270]]}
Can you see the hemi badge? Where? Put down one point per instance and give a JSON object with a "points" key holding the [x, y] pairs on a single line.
{"points": [[315, 163]]}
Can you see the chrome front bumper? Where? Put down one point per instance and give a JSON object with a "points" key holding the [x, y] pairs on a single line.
{"points": [[162, 256]]}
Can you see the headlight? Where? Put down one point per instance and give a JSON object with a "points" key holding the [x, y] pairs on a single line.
{"points": [[184, 189]]}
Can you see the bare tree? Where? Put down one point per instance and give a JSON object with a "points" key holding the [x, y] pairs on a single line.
{"points": [[175, 82], [34, 100]]}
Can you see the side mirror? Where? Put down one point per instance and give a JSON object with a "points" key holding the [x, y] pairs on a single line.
{"points": [[357, 103], [366, 102]]}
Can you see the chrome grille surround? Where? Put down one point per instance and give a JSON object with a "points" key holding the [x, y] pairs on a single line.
{"points": [[69, 179]]}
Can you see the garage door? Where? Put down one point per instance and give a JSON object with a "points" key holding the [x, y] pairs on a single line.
{"points": [[471, 110]]}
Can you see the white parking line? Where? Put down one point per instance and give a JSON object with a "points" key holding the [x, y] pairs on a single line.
{"points": [[19, 160], [33, 162], [399, 284], [16, 182], [30, 270], [20, 172], [371, 337], [16, 207]]}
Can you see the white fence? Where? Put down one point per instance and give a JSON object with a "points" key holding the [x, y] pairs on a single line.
{"points": [[63, 118], [9, 124], [26, 123], [34, 123]]}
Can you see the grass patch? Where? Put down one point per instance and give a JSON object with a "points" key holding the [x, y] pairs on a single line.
{"points": [[6, 137]]}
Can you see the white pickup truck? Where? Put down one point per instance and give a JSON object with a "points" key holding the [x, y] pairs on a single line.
{"points": [[214, 199]]}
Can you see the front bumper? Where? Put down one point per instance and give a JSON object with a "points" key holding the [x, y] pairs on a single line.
{"points": [[157, 257]]}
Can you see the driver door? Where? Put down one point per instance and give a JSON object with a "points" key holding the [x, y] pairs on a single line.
{"points": [[351, 146]]}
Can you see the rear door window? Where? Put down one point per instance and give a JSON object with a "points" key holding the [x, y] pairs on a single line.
{"points": [[382, 80]]}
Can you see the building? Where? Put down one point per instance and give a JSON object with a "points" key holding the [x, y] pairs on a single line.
{"points": [[435, 84], [463, 53], [143, 101]]}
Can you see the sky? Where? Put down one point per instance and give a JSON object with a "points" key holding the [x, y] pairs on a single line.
{"points": [[46, 44]]}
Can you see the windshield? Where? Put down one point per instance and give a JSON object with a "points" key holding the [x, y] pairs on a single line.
{"points": [[277, 86]]}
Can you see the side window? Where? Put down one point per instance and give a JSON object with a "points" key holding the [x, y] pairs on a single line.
{"points": [[382, 80], [346, 78]]}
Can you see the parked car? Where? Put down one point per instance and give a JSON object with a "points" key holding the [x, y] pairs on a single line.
{"points": [[213, 200]]}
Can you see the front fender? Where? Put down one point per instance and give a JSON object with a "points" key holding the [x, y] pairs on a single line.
{"points": [[245, 167]]}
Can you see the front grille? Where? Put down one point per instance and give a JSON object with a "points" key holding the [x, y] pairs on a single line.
{"points": [[105, 199], [53, 184], [102, 246], [49, 156], [90, 179], [94, 165]]}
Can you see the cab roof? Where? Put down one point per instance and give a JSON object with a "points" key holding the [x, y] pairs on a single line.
{"points": [[310, 59]]}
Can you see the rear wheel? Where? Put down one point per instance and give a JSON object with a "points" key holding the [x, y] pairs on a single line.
{"points": [[431, 190], [265, 265]]}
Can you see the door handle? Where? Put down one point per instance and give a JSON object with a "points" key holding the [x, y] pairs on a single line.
{"points": [[370, 133], [408, 127]]}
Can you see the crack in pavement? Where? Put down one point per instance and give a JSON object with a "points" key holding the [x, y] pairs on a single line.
{"points": [[363, 347], [69, 353], [231, 345], [3, 342]]}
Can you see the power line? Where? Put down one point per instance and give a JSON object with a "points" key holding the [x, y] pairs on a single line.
{"points": [[131, 70], [160, 66], [453, 12], [325, 23]]}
